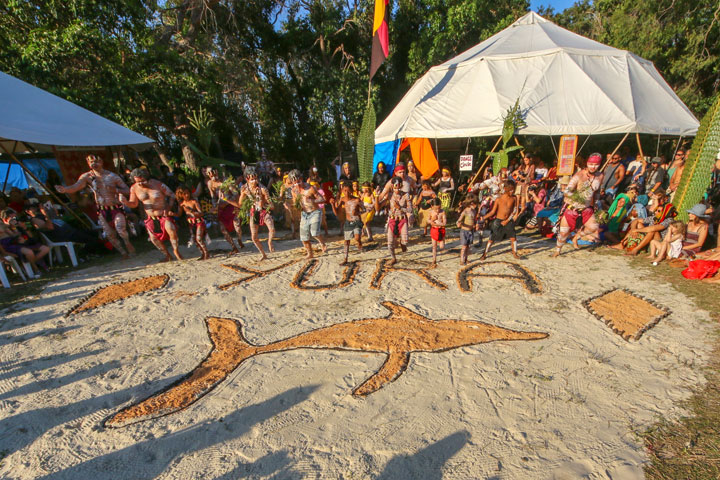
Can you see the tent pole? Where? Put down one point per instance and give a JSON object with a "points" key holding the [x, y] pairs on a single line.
{"points": [[486, 160], [52, 194], [637, 137], [7, 175], [583, 145], [677, 147], [616, 149], [657, 149], [554, 149]]}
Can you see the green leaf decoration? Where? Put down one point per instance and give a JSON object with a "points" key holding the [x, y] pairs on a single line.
{"points": [[366, 144], [698, 167]]}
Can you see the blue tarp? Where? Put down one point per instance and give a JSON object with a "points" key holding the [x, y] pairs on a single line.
{"points": [[38, 166], [386, 152], [15, 179]]}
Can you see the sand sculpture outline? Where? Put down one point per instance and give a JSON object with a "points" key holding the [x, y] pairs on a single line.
{"points": [[126, 289], [253, 273], [629, 325], [303, 275], [375, 335], [525, 276], [383, 268]]}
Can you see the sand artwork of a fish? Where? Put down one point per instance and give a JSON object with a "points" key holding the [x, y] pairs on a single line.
{"points": [[397, 335]]}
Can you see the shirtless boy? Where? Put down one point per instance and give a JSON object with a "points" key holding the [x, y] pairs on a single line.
{"points": [[191, 208], [437, 221], [504, 224], [106, 186], [466, 223], [260, 213], [311, 216], [353, 225], [157, 200]]}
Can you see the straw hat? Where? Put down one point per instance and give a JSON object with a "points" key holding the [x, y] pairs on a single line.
{"points": [[564, 180]]}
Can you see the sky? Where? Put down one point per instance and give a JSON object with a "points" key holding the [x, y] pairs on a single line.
{"points": [[558, 5]]}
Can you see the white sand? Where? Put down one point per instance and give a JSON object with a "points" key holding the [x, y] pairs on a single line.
{"points": [[564, 407]]}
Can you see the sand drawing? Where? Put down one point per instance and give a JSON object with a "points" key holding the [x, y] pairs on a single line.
{"points": [[627, 314], [119, 291], [303, 275], [397, 335], [254, 273], [526, 278], [384, 267]]}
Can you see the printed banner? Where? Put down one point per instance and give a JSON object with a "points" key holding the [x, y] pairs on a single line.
{"points": [[567, 150]]}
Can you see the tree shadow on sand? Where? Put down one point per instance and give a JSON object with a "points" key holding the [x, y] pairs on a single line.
{"points": [[428, 463], [23, 429], [149, 458]]}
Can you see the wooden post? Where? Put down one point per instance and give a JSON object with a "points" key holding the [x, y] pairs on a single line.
{"points": [[52, 194], [637, 137], [616, 149]]}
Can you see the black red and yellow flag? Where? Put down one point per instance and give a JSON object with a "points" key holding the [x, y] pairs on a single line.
{"points": [[381, 39]]}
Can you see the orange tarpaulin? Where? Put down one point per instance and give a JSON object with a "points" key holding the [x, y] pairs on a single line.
{"points": [[422, 155]]}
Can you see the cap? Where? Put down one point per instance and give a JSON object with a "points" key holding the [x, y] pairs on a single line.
{"points": [[657, 160]]}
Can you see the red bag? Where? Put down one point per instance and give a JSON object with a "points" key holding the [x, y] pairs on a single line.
{"points": [[699, 269]]}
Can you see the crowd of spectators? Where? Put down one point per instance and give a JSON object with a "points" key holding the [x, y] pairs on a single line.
{"points": [[619, 199]]}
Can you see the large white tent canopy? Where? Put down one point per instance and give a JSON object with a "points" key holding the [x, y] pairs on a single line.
{"points": [[33, 119], [566, 83]]}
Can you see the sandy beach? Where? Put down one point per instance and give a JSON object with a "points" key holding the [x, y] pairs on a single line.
{"points": [[565, 406]]}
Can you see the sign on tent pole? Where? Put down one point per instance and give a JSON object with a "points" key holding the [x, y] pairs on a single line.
{"points": [[566, 155], [466, 163]]}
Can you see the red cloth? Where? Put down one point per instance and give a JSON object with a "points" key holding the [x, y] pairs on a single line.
{"points": [[437, 233], [699, 269], [572, 215], [226, 215], [162, 235]]}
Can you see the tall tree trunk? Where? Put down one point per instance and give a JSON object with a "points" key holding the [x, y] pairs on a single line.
{"points": [[164, 158], [189, 156]]}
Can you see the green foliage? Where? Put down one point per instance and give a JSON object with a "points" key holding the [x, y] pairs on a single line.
{"points": [[203, 125], [366, 144], [698, 167], [512, 122]]}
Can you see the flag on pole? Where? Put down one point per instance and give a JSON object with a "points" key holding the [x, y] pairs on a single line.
{"points": [[381, 39]]}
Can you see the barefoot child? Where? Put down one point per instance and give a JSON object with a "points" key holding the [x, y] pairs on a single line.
{"points": [[670, 246], [368, 206], [192, 210], [352, 226], [423, 202], [466, 224], [437, 220], [504, 224]]}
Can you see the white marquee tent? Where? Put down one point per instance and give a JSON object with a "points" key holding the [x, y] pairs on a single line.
{"points": [[567, 84], [33, 119]]}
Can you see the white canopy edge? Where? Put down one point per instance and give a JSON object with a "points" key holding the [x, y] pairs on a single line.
{"points": [[39, 120]]}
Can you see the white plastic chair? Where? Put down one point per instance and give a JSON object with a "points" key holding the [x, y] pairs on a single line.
{"points": [[16, 267], [3, 277], [56, 248]]}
